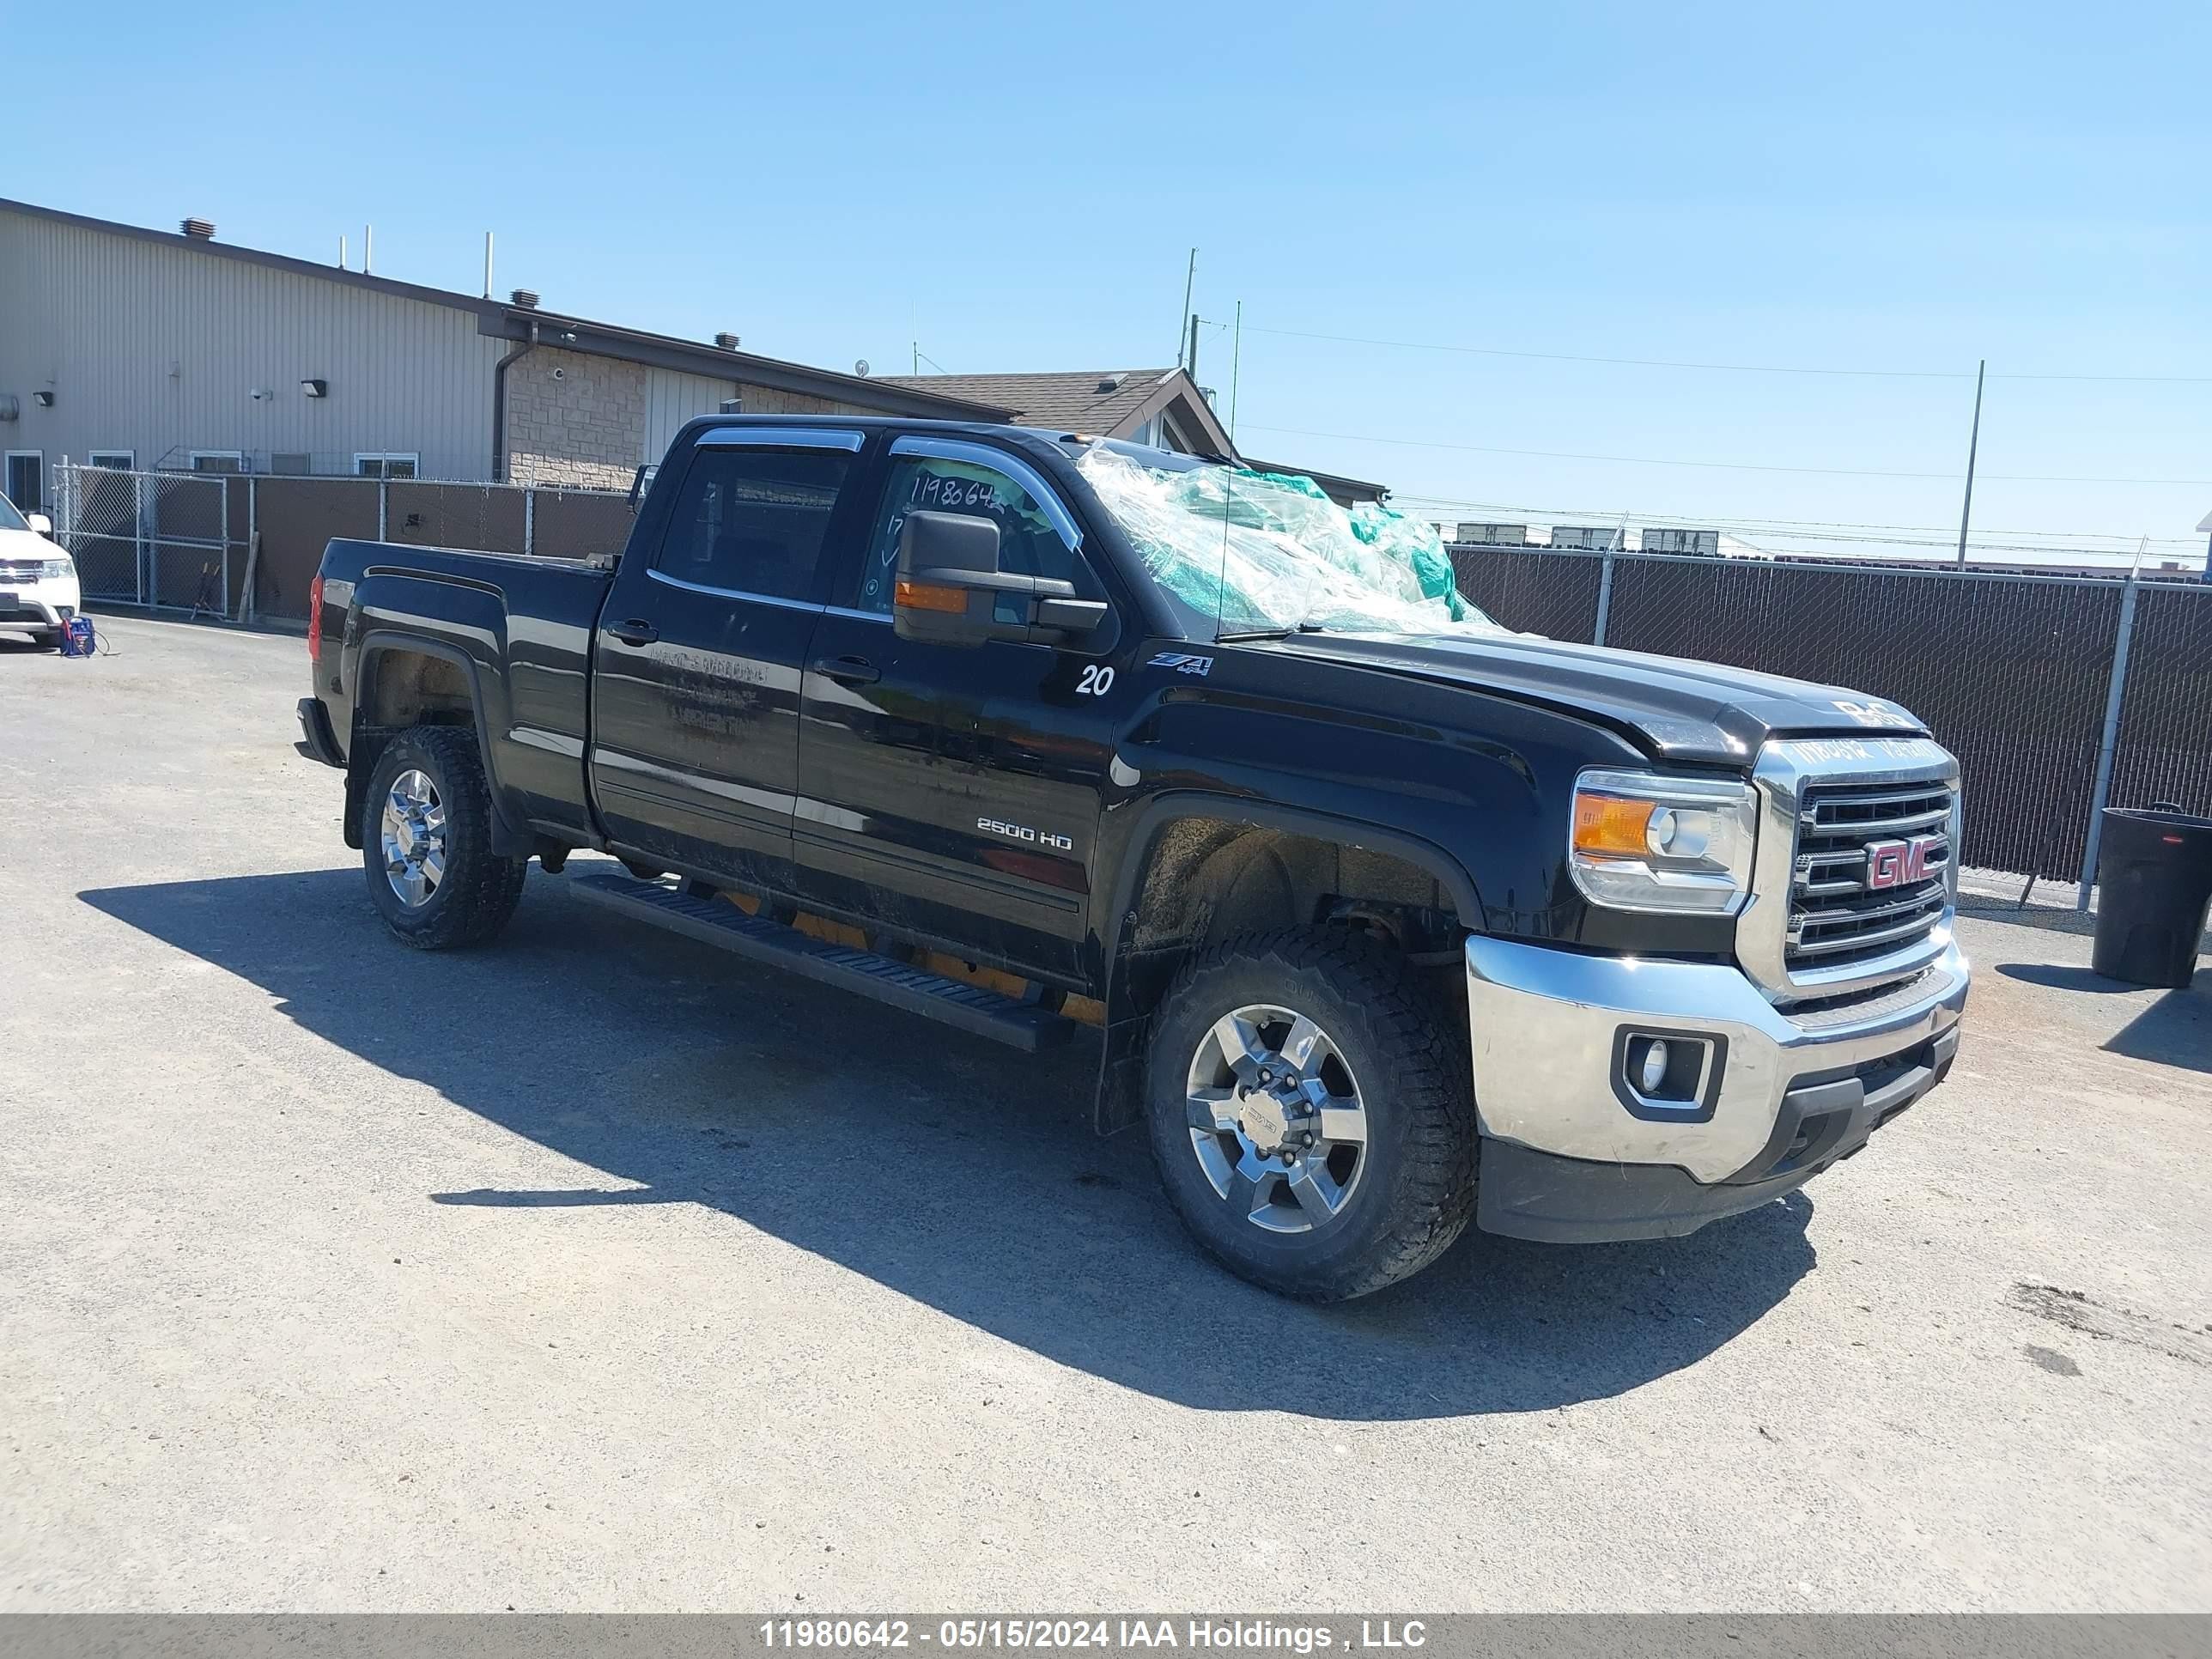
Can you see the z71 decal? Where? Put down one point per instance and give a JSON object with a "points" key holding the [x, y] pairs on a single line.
{"points": [[1183, 662]]}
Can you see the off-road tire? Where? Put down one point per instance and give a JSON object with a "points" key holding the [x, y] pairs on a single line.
{"points": [[1411, 1064], [480, 888]]}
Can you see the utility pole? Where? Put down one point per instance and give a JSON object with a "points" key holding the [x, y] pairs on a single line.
{"points": [[1191, 367], [1974, 445], [1189, 277]]}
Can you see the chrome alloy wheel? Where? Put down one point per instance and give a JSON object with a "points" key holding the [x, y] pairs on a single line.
{"points": [[1277, 1122], [414, 838]]}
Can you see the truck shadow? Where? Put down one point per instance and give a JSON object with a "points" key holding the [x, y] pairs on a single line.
{"points": [[953, 1172]]}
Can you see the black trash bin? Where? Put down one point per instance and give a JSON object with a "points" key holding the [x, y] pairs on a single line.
{"points": [[2154, 882]]}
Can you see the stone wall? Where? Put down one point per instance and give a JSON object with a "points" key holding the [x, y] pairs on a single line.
{"points": [[582, 420], [574, 420]]}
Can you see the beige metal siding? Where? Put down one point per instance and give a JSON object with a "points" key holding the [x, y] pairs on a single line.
{"points": [[157, 348], [670, 399]]}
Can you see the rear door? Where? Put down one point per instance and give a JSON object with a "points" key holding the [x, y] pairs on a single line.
{"points": [[953, 791], [696, 686]]}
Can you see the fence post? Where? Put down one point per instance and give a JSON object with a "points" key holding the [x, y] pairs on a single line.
{"points": [[383, 508], [253, 548], [2115, 695], [529, 520], [65, 519], [141, 554], [1604, 598]]}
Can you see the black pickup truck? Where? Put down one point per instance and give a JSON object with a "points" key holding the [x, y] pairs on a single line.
{"points": [[1390, 917]]}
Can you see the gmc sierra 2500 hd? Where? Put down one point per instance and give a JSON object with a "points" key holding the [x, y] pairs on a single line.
{"points": [[1392, 917]]}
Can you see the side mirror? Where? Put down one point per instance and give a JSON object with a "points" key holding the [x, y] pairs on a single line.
{"points": [[39, 523], [951, 591]]}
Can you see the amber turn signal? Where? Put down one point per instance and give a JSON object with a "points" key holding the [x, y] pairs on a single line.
{"points": [[930, 596], [1608, 827]]}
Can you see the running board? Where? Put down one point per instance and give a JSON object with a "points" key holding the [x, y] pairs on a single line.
{"points": [[716, 921]]}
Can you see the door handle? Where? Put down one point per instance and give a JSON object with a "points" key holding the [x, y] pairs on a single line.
{"points": [[851, 671], [635, 631]]}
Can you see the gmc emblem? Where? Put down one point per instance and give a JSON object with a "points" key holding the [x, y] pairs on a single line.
{"points": [[1899, 863]]}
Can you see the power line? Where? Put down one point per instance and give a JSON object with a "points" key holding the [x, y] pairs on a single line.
{"points": [[1726, 466], [1726, 368]]}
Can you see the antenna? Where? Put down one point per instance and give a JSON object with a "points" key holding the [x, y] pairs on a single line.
{"points": [[1189, 276], [367, 248], [342, 251], [1973, 443], [487, 264], [1236, 362]]}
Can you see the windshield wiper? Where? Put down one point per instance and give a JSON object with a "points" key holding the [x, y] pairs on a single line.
{"points": [[1267, 634]]}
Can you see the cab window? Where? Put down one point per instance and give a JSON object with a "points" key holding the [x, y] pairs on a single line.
{"points": [[752, 521], [1028, 544]]}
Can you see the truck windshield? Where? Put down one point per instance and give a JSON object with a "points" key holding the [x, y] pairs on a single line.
{"points": [[9, 518], [1246, 552]]}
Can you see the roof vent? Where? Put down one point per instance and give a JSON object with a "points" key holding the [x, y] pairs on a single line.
{"points": [[200, 230], [726, 340], [1111, 382], [526, 298]]}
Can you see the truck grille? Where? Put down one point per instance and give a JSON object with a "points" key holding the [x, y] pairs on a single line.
{"points": [[1871, 874], [24, 572]]}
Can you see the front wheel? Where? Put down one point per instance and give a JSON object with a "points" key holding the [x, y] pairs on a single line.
{"points": [[426, 843], [1310, 1114]]}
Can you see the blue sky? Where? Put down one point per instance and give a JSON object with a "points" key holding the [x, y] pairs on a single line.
{"points": [[1866, 188]]}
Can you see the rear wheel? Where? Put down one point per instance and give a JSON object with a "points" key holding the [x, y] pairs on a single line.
{"points": [[1310, 1114], [426, 843]]}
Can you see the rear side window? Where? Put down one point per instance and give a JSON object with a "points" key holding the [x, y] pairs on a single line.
{"points": [[751, 520], [1028, 544]]}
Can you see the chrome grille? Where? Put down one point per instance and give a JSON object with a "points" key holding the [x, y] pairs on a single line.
{"points": [[19, 570], [1850, 837]]}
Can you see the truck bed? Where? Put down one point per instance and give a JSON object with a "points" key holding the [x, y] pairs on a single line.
{"points": [[518, 630]]}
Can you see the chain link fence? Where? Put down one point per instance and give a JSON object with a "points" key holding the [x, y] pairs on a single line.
{"points": [[246, 545], [2059, 694]]}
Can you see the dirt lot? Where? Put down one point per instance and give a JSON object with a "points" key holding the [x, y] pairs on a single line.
{"points": [[599, 1270]]}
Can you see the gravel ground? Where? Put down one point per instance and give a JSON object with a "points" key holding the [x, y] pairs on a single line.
{"points": [[597, 1270]]}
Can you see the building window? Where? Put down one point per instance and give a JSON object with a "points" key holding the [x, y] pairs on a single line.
{"points": [[27, 479], [114, 460], [218, 460], [385, 465]]}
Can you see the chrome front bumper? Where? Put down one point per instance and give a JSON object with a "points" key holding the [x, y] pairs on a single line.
{"points": [[1794, 1094]]}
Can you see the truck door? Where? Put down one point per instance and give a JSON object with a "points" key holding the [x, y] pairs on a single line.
{"points": [[695, 679], [949, 790]]}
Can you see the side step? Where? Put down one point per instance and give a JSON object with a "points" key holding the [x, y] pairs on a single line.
{"points": [[713, 921]]}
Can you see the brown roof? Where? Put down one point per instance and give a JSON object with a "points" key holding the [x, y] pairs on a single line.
{"points": [[1092, 400]]}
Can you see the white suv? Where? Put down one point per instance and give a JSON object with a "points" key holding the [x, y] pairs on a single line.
{"points": [[38, 581]]}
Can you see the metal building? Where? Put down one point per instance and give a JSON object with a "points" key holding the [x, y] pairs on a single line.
{"points": [[174, 350]]}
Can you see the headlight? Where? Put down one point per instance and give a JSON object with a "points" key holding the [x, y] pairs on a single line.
{"points": [[1642, 842], [56, 570]]}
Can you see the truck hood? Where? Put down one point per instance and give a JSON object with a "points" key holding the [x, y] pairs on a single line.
{"points": [[1678, 709]]}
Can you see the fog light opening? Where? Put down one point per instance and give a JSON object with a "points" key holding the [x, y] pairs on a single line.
{"points": [[1674, 1072]]}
